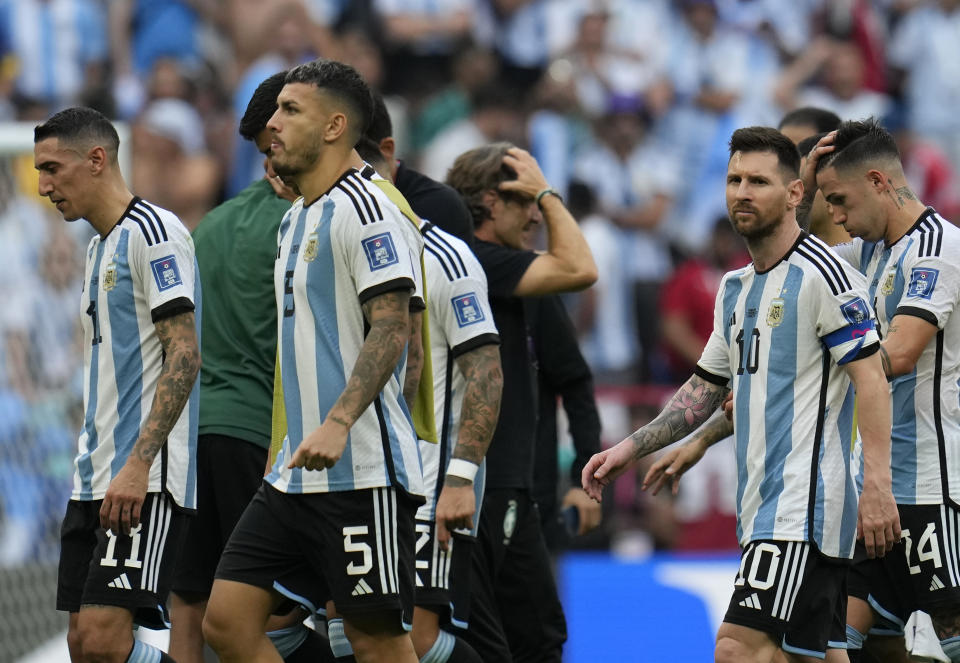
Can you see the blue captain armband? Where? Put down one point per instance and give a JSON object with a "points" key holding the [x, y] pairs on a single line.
{"points": [[856, 332]]}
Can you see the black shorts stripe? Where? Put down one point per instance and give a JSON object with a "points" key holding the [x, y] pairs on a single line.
{"points": [[156, 217], [950, 530], [356, 204], [802, 551], [362, 183], [440, 239], [160, 515]]}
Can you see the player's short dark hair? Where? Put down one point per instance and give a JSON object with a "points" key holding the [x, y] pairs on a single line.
{"points": [[344, 83], [768, 139], [80, 126], [369, 151], [859, 142], [805, 145], [262, 106], [809, 116], [480, 170], [380, 125]]}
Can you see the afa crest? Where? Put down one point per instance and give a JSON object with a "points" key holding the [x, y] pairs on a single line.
{"points": [[886, 288], [775, 312], [110, 275], [310, 251]]}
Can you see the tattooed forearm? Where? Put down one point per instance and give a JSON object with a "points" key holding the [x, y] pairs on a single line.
{"points": [[803, 209], [481, 401], [178, 336], [887, 364], [381, 350], [718, 428], [693, 404], [411, 380]]}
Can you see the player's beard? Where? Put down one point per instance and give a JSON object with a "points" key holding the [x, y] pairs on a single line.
{"points": [[763, 225], [290, 164]]}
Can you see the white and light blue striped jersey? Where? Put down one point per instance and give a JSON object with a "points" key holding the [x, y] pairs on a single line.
{"points": [[143, 271], [782, 336], [919, 275], [334, 255], [460, 321]]}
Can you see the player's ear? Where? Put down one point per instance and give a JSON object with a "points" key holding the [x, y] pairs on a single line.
{"points": [[97, 159], [336, 126], [388, 147], [794, 193], [877, 180]]}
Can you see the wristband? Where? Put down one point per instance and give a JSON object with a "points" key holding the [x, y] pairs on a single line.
{"points": [[547, 192], [462, 468]]}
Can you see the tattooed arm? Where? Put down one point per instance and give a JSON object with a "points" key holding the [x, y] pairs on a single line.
{"points": [[693, 404], [905, 341], [124, 497], [389, 319], [411, 381], [673, 464], [478, 418]]}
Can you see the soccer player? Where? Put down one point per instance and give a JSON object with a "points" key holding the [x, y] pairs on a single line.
{"points": [[908, 254], [515, 613], [467, 380], [804, 122], [338, 505], [234, 245], [135, 475], [791, 330]]}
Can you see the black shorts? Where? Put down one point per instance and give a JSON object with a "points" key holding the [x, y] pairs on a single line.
{"points": [[794, 593], [922, 572], [443, 577], [229, 471], [356, 547], [133, 572]]}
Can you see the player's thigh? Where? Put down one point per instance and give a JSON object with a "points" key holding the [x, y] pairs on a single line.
{"points": [[105, 631], [790, 592], [743, 644]]}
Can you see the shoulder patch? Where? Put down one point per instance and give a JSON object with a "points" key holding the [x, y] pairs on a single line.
{"points": [[922, 282], [468, 310], [855, 311], [380, 251], [166, 272]]}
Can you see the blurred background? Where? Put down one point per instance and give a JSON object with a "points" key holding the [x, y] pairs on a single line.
{"points": [[628, 106]]}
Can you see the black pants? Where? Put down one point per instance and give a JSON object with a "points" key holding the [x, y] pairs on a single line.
{"points": [[515, 612]]}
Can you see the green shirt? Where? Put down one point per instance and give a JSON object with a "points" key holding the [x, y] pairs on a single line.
{"points": [[236, 246]]}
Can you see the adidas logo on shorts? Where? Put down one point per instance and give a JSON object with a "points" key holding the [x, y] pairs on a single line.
{"points": [[752, 601], [935, 584], [120, 582], [361, 589]]}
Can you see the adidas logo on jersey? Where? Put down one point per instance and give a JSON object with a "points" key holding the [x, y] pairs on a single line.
{"points": [[361, 589], [120, 582], [935, 584], [752, 601]]}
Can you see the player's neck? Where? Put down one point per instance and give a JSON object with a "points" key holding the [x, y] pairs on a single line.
{"points": [[330, 166], [770, 250], [902, 219], [112, 204]]}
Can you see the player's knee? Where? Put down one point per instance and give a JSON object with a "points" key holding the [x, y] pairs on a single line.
{"points": [[729, 650], [74, 645], [423, 639], [219, 633], [98, 645]]}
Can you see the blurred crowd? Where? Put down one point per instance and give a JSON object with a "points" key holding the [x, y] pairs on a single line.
{"points": [[627, 105]]}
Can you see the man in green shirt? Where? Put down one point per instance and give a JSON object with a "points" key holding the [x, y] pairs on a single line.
{"points": [[236, 245]]}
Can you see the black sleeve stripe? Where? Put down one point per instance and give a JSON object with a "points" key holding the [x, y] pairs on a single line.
{"points": [[400, 283], [171, 308], [362, 184], [439, 238], [917, 312], [435, 254], [488, 338], [438, 248], [366, 205], [712, 378], [153, 213], [823, 270], [832, 263], [931, 231], [923, 240], [143, 230], [356, 205], [937, 220], [144, 220]]}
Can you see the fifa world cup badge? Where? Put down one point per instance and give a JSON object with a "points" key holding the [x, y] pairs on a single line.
{"points": [[110, 275], [775, 312], [310, 252]]}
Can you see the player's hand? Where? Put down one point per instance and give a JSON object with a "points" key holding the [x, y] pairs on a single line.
{"points": [[606, 466], [120, 511], [530, 180], [727, 408], [878, 521], [455, 508], [322, 448], [589, 511], [808, 169], [280, 187], [671, 466]]}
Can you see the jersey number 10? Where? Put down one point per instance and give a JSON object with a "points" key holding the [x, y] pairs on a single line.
{"points": [[749, 360]]}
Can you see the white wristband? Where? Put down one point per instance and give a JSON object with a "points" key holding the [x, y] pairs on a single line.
{"points": [[462, 468]]}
